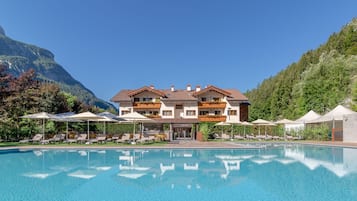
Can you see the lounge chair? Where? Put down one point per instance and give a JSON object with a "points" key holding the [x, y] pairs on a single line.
{"points": [[113, 138], [225, 136], [124, 138], [136, 137], [146, 139], [72, 140], [102, 139], [25, 140], [37, 138], [98, 139], [82, 138], [238, 137], [251, 137], [56, 138]]}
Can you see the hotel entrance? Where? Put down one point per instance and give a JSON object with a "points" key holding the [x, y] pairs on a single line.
{"points": [[179, 129], [181, 132]]}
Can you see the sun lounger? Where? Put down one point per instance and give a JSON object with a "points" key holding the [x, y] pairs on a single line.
{"points": [[251, 137], [225, 136], [82, 138], [102, 139], [72, 140], [37, 138], [146, 139], [26, 140], [98, 139], [56, 138], [239, 137], [136, 137], [124, 138]]}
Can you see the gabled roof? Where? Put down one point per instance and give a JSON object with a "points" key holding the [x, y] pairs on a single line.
{"points": [[179, 95], [212, 88], [121, 96], [236, 95], [146, 88]]}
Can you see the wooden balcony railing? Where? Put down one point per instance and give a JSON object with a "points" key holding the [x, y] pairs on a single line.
{"points": [[153, 116], [149, 105], [211, 105], [211, 118]]}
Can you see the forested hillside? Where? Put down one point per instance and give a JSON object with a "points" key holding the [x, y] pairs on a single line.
{"points": [[319, 81]]}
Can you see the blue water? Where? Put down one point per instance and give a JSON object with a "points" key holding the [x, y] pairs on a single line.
{"points": [[270, 173]]}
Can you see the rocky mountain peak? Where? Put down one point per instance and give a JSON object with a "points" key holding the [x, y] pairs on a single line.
{"points": [[2, 31]]}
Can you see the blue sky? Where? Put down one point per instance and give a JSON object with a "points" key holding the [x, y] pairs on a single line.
{"points": [[109, 45]]}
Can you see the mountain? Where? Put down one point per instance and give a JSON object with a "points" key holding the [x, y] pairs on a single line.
{"points": [[319, 81], [20, 57]]}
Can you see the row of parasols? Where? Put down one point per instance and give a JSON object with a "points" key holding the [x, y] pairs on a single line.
{"points": [[258, 122], [88, 117]]}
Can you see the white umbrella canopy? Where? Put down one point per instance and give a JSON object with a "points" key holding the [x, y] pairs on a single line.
{"points": [[136, 117], [262, 122], [87, 116], [104, 120], [285, 121], [244, 124], [43, 116], [223, 123], [64, 117], [110, 115]]}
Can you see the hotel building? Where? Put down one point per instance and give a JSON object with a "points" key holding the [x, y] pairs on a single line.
{"points": [[183, 109]]}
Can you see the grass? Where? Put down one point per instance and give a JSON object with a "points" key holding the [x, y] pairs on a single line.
{"points": [[9, 144]]}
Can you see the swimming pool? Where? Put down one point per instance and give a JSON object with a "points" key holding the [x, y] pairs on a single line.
{"points": [[271, 173]]}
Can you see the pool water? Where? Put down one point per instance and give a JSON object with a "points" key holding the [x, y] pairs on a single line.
{"points": [[276, 172]]}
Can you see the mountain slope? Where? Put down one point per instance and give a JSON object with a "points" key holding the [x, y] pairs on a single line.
{"points": [[320, 80], [20, 57]]}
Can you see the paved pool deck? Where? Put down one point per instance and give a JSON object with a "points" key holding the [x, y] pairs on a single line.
{"points": [[184, 145]]}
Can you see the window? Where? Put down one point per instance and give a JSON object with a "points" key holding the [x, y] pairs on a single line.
{"points": [[203, 99], [167, 113], [141, 112], [191, 113], [147, 99], [203, 112], [153, 112], [136, 99], [125, 112], [217, 112], [179, 107], [232, 112], [215, 99]]}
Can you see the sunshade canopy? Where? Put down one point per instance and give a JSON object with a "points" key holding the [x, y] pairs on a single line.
{"points": [[336, 114], [263, 122]]}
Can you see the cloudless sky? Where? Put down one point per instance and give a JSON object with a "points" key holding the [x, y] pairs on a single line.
{"points": [[110, 45]]}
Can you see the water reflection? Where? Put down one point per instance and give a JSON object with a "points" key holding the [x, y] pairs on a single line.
{"points": [[282, 171]]}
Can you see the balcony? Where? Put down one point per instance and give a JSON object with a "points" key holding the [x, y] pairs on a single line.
{"points": [[211, 118], [146, 105], [153, 116], [212, 105]]}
